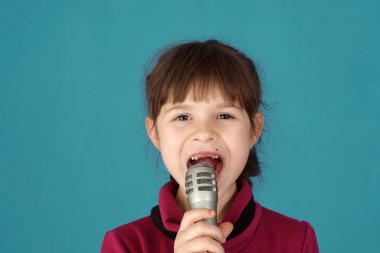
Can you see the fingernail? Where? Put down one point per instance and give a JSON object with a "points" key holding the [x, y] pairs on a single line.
{"points": [[212, 212]]}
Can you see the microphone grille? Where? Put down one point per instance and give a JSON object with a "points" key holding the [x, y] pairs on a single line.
{"points": [[200, 177]]}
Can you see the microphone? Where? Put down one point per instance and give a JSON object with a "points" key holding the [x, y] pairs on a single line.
{"points": [[201, 188]]}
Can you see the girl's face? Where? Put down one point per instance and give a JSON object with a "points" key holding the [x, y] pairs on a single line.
{"points": [[205, 129]]}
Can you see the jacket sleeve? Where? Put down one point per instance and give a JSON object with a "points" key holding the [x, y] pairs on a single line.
{"points": [[310, 244], [113, 244]]}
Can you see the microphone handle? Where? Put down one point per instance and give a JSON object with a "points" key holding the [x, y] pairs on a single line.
{"points": [[208, 205]]}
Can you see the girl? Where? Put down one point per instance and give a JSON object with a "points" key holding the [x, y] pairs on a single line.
{"points": [[203, 101]]}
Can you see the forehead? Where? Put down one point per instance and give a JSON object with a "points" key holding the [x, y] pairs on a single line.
{"points": [[215, 99], [198, 92]]}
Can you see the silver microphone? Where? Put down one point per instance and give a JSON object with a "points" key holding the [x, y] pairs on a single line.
{"points": [[201, 188]]}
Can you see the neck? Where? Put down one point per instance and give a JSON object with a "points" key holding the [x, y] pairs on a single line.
{"points": [[224, 201]]}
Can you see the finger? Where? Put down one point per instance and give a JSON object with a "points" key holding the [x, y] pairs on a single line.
{"points": [[204, 244], [226, 228], [202, 229], [192, 216]]}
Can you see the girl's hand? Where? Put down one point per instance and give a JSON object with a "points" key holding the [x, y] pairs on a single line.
{"points": [[194, 236]]}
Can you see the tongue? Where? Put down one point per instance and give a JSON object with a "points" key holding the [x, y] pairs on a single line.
{"points": [[213, 162]]}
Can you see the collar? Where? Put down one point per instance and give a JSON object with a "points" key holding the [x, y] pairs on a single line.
{"points": [[167, 215]]}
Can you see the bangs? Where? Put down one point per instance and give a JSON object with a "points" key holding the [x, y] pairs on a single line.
{"points": [[203, 79], [201, 70]]}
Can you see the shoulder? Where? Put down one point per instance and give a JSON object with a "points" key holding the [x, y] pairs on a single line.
{"points": [[135, 228], [130, 237], [283, 229], [272, 218]]}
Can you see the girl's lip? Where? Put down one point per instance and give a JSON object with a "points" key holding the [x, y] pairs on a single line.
{"points": [[219, 174]]}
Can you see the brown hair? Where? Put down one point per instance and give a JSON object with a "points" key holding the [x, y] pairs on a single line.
{"points": [[200, 67]]}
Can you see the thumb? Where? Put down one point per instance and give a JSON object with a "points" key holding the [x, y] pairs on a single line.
{"points": [[226, 228]]}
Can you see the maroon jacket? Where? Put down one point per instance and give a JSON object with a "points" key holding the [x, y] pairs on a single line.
{"points": [[256, 228]]}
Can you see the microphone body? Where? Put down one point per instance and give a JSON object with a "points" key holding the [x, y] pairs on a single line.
{"points": [[201, 188]]}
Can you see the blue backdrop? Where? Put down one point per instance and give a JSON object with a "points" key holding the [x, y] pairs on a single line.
{"points": [[75, 160]]}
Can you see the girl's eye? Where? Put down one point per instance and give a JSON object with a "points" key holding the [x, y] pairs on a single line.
{"points": [[225, 116], [182, 117]]}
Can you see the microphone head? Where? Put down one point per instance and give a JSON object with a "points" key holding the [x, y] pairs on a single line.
{"points": [[201, 188]]}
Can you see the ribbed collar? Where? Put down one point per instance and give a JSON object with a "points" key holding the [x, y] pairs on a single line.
{"points": [[167, 216]]}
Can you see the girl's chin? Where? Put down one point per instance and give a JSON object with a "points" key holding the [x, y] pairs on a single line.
{"points": [[226, 195]]}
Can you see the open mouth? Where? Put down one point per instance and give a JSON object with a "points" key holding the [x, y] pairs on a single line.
{"points": [[214, 160]]}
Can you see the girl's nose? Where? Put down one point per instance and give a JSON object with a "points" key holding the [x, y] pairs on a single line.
{"points": [[205, 134]]}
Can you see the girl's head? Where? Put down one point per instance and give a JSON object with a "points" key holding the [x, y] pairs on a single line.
{"points": [[184, 91]]}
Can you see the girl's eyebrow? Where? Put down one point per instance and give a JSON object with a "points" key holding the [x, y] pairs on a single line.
{"points": [[187, 107], [177, 107], [228, 105]]}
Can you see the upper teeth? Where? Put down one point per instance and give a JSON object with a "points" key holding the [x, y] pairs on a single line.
{"points": [[196, 157]]}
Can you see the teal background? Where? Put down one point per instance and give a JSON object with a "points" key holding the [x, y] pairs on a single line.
{"points": [[75, 160]]}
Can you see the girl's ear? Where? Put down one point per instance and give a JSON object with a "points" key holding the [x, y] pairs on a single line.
{"points": [[152, 133], [257, 129]]}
